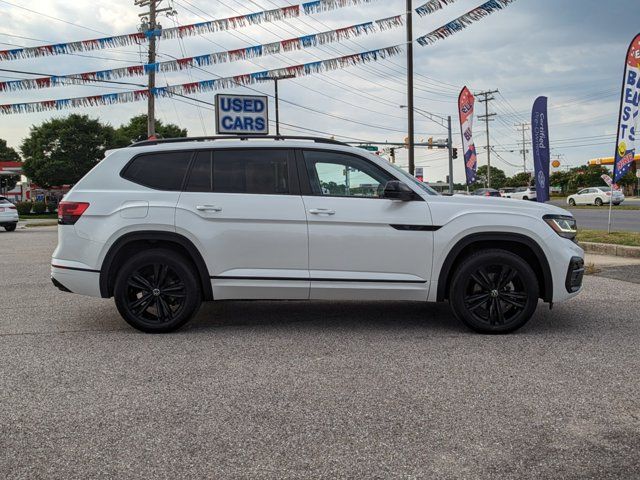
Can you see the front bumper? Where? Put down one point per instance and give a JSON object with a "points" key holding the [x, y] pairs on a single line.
{"points": [[575, 274]]}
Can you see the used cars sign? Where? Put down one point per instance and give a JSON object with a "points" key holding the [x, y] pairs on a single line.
{"points": [[242, 114]]}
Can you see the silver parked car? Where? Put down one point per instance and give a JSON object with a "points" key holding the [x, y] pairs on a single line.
{"points": [[596, 196]]}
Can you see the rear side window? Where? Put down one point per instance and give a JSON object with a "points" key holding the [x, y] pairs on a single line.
{"points": [[159, 170], [200, 179], [251, 171]]}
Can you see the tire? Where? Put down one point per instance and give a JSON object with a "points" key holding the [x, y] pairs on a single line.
{"points": [[493, 291], [598, 202], [572, 202], [525, 198], [157, 291], [616, 204], [11, 228]]}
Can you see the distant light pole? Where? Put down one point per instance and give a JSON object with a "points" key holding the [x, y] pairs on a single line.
{"points": [[446, 123], [277, 99]]}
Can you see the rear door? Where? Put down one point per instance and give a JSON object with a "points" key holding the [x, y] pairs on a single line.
{"points": [[242, 207], [362, 246]]}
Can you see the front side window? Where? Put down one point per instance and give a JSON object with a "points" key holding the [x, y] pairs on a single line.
{"points": [[340, 175], [256, 171], [159, 170]]}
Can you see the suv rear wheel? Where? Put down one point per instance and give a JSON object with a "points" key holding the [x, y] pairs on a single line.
{"points": [[157, 291], [494, 291]]}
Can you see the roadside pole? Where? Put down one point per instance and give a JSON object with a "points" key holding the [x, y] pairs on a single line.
{"points": [[450, 145], [610, 208]]}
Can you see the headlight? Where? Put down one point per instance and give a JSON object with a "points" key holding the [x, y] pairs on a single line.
{"points": [[563, 225]]}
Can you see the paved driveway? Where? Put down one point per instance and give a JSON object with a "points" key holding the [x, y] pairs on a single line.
{"points": [[312, 390]]}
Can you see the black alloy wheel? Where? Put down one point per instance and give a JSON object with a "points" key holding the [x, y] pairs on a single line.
{"points": [[598, 202], [572, 202], [157, 291], [494, 291]]}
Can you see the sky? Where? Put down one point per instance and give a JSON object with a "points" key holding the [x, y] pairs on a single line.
{"points": [[569, 50]]}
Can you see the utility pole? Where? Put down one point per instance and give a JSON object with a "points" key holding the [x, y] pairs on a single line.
{"points": [[276, 97], [410, 124], [488, 96], [150, 27], [524, 127]]}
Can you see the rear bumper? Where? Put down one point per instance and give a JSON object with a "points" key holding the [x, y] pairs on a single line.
{"points": [[75, 278], [8, 219]]}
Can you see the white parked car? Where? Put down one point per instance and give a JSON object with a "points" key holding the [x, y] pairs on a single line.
{"points": [[524, 193], [163, 225], [8, 215], [596, 196]]}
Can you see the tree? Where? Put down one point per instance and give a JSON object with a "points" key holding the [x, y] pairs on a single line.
{"points": [[521, 179], [587, 176], [61, 151], [498, 177], [8, 154], [560, 179], [136, 130]]}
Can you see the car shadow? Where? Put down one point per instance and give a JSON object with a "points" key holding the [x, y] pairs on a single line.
{"points": [[350, 315]]}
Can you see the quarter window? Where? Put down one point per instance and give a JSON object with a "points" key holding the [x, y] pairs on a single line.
{"points": [[339, 175], [159, 170]]}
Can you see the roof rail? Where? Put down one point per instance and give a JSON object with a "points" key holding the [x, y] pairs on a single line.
{"points": [[161, 141]]}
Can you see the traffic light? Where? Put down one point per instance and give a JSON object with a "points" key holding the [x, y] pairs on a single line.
{"points": [[430, 143], [454, 153]]}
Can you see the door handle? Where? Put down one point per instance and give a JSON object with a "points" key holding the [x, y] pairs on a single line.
{"points": [[208, 208], [322, 211]]}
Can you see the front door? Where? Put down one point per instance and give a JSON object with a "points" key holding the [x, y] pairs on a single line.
{"points": [[243, 210], [360, 244]]}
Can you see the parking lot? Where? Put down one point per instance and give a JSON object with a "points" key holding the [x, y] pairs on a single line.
{"points": [[310, 390]]}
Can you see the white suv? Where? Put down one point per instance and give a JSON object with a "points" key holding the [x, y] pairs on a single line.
{"points": [[8, 215], [524, 193], [163, 225]]}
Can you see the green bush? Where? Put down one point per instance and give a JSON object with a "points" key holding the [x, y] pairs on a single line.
{"points": [[24, 208], [39, 208], [51, 206]]}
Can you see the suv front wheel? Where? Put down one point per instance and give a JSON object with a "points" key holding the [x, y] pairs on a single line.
{"points": [[494, 291], [157, 291]]}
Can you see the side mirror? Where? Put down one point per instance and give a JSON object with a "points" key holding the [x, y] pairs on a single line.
{"points": [[396, 190]]}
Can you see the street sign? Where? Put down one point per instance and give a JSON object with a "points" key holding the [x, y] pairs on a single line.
{"points": [[370, 148], [419, 173], [242, 114]]}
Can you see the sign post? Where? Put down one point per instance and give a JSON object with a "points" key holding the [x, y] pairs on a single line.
{"points": [[242, 114]]}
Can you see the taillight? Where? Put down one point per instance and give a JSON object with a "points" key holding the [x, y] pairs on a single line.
{"points": [[12, 207], [70, 212], [608, 194]]}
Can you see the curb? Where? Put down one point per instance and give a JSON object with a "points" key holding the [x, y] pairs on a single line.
{"points": [[610, 249]]}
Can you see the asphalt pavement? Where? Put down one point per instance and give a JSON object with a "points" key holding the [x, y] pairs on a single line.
{"points": [[312, 390]]}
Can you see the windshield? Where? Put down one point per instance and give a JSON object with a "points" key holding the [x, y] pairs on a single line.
{"points": [[423, 186]]}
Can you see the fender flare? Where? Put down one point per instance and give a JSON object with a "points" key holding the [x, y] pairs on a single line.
{"points": [[155, 236], [445, 271]]}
